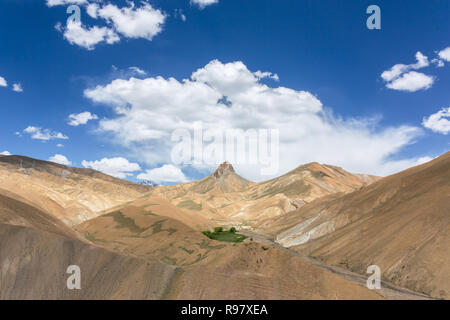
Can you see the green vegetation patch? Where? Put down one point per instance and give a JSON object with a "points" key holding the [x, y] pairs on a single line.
{"points": [[171, 231], [169, 260], [187, 250], [190, 205], [199, 258], [92, 238], [149, 213], [125, 222], [205, 244], [149, 205], [227, 236], [157, 227]]}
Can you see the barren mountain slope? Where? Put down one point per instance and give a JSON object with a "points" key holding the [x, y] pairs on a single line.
{"points": [[34, 263], [400, 223], [312, 181], [17, 211], [142, 232], [250, 271], [253, 271], [70, 194], [228, 199], [210, 269], [161, 206]]}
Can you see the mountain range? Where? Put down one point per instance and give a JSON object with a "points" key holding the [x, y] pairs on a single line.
{"points": [[312, 233]]}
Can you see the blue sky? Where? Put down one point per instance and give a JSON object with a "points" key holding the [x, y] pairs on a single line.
{"points": [[321, 48]]}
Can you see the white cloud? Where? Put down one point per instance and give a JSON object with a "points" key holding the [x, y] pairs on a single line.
{"points": [[204, 3], [166, 173], [141, 21], [400, 77], [3, 82], [423, 160], [5, 153], [116, 167], [422, 61], [92, 9], [438, 62], [149, 110], [60, 145], [59, 158], [87, 38], [52, 3], [81, 118], [262, 75], [17, 87], [133, 22], [445, 54], [438, 122], [179, 14], [43, 134], [412, 81], [138, 71], [399, 69]]}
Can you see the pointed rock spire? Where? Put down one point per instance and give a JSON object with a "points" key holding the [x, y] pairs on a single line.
{"points": [[224, 168]]}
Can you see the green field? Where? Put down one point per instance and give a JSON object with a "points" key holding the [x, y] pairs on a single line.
{"points": [[226, 236]]}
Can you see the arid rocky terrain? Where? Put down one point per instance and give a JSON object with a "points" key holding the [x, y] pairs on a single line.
{"points": [[312, 233]]}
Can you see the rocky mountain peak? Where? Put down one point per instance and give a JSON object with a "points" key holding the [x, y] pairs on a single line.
{"points": [[224, 168]]}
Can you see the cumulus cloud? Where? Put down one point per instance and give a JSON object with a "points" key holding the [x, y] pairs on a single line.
{"points": [[5, 153], [43, 134], [87, 38], [400, 77], [141, 21], [204, 3], [149, 110], [81, 118], [411, 81], [59, 158], [117, 167], [92, 9], [445, 54], [17, 87], [133, 22], [166, 173], [399, 69], [3, 82], [438, 122], [52, 3]]}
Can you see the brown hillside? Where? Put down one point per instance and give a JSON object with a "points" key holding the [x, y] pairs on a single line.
{"points": [[70, 194], [400, 223]]}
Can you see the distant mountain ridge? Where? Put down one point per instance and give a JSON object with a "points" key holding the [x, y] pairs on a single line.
{"points": [[226, 198], [70, 194]]}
